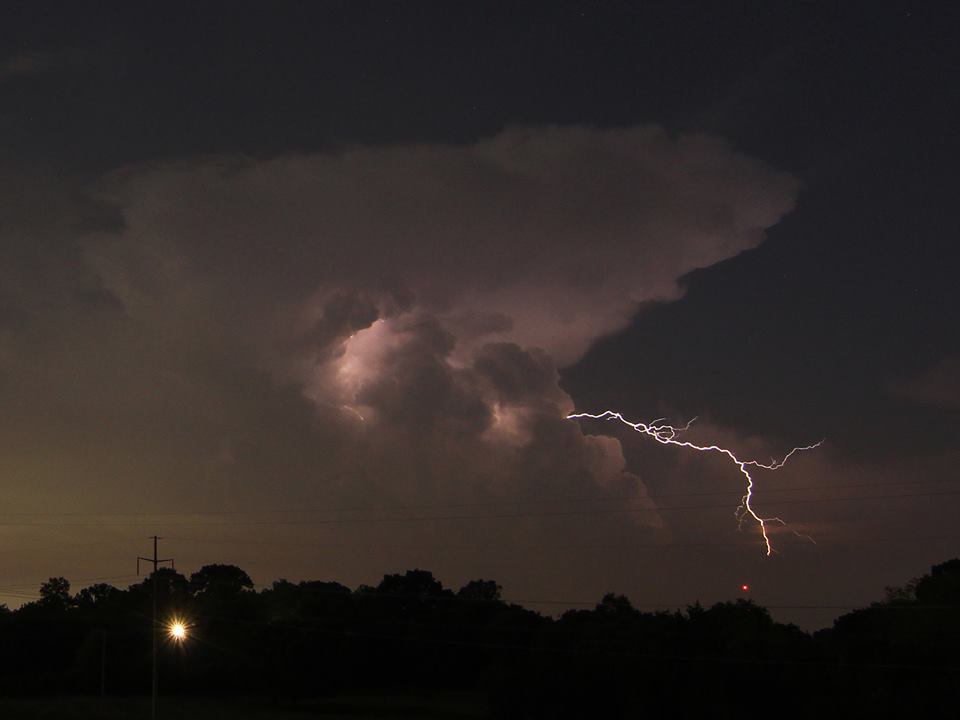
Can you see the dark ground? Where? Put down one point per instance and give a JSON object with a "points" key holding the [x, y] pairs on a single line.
{"points": [[367, 707]]}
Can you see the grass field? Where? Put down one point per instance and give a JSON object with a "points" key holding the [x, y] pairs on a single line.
{"points": [[356, 707]]}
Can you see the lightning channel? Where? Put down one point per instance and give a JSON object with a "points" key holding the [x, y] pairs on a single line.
{"points": [[666, 434]]}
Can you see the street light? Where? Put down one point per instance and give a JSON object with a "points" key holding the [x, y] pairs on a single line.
{"points": [[177, 630]]}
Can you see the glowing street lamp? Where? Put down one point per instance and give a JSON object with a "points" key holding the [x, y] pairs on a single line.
{"points": [[177, 630]]}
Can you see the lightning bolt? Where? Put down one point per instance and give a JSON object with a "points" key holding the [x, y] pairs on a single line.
{"points": [[351, 409], [668, 434]]}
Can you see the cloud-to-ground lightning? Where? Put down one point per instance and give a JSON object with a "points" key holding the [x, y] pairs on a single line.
{"points": [[668, 434]]}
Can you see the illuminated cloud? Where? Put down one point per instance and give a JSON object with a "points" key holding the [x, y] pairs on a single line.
{"points": [[373, 325], [431, 289], [544, 237]]}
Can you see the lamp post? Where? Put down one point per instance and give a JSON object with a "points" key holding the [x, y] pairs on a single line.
{"points": [[178, 630]]}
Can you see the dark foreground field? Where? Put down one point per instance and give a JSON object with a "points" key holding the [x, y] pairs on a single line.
{"points": [[366, 707]]}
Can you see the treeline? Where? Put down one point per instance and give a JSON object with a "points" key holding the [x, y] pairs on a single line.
{"points": [[293, 641]]}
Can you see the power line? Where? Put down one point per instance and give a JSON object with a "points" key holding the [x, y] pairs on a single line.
{"points": [[620, 547], [639, 606], [32, 550], [8, 586], [494, 503], [625, 546], [663, 605], [489, 516], [556, 546]]}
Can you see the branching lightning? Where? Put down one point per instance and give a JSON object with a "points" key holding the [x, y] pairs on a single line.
{"points": [[668, 435]]}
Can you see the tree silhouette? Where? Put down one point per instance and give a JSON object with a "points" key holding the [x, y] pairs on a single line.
{"points": [[296, 640], [98, 595], [55, 593], [482, 590], [941, 586], [219, 581], [420, 584], [612, 604]]}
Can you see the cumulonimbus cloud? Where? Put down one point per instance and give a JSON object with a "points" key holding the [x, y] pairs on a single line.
{"points": [[543, 237], [374, 322]]}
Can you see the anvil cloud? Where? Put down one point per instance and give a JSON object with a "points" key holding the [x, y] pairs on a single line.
{"points": [[376, 323]]}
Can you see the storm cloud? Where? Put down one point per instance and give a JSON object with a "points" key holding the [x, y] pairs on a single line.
{"points": [[374, 325]]}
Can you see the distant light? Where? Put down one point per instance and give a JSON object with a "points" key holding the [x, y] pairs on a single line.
{"points": [[177, 630], [745, 587]]}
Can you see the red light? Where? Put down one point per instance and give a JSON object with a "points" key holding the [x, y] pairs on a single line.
{"points": [[745, 587]]}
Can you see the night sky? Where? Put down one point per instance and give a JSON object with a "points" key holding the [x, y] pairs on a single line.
{"points": [[310, 287]]}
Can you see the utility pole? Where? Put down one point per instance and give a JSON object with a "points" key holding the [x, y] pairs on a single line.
{"points": [[103, 669], [156, 562]]}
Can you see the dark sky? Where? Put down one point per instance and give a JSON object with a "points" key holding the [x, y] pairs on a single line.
{"points": [[316, 272]]}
